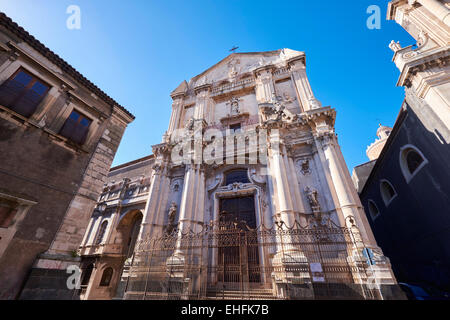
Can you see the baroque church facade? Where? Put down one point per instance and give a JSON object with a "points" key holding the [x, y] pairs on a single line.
{"points": [[248, 195]]}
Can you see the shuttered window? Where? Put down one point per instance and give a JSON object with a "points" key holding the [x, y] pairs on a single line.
{"points": [[76, 127], [22, 93]]}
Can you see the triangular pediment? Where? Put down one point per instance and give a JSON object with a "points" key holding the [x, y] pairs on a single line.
{"points": [[238, 64], [181, 89]]}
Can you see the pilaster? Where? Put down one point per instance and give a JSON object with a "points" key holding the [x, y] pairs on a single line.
{"points": [[305, 95], [265, 89]]}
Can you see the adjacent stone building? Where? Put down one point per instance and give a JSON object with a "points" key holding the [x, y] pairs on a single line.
{"points": [[58, 137], [110, 238], [406, 195], [249, 196]]}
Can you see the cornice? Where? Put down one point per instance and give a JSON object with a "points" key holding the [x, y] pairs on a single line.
{"points": [[392, 6], [301, 58], [324, 112], [421, 62], [270, 68], [177, 95], [18, 31], [203, 87]]}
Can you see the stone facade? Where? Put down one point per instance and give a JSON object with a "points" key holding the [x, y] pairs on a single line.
{"points": [[50, 177], [406, 194], [284, 156], [124, 197]]}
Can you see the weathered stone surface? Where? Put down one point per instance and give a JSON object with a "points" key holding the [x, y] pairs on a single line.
{"points": [[55, 181]]}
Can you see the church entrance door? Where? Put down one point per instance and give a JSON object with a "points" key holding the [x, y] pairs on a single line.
{"points": [[238, 251]]}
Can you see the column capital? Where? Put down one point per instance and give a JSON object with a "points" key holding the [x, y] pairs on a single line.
{"points": [[203, 89], [296, 63]]}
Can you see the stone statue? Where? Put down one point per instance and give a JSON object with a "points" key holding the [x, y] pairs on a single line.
{"points": [[171, 217], [190, 124], [234, 105], [312, 195], [395, 46], [172, 212]]}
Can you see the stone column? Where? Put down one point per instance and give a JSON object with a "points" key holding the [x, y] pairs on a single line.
{"points": [[303, 88], [348, 204], [280, 179], [190, 219], [192, 199], [153, 217], [288, 256]]}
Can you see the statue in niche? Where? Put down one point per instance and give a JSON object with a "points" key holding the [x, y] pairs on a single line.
{"points": [[190, 124], [234, 103], [313, 199], [171, 217], [312, 196], [234, 106]]}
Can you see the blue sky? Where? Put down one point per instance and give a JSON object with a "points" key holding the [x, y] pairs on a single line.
{"points": [[138, 51]]}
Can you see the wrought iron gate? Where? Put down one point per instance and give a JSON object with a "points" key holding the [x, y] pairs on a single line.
{"points": [[230, 260]]}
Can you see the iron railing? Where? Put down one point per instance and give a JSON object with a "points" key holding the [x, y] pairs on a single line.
{"points": [[229, 260]]}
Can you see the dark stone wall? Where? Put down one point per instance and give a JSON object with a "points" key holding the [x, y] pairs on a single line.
{"points": [[33, 165], [48, 284], [414, 230]]}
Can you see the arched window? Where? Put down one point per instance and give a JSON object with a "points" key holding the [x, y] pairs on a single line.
{"points": [[106, 277], [411, 161], [373, 209], [387, 192], [236, 176], [101, 232], [87, 275]]}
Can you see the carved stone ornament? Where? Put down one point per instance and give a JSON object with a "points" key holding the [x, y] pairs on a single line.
{"points": [[157, 168], [304, 166], [287, 98], [277, 112], [395, 46], [234, 106], [233, 69], [257, 178], [422, 39]]}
